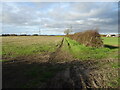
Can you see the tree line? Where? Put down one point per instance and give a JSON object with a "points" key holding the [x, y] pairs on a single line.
{"points": [[19, 35]]}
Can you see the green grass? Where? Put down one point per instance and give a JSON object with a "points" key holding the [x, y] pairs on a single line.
{"points": [[85, 53], [110, 40], [13, 50]]}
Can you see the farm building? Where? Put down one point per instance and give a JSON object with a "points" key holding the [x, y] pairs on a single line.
{"points": [[112, 35]]}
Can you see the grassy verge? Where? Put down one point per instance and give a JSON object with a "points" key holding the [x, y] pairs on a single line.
{"points": [[86, 53]]}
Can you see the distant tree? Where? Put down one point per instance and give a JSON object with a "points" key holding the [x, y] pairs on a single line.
{"points": [[13, 34], [67, 31], [5, 34], [23, 35], [35, 34]]}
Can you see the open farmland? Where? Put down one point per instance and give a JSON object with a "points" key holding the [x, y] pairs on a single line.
{"points": [[58, 62], [110, 41], [21, 46]]}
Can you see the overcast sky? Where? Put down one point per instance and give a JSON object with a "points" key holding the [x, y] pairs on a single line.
{"points": [[54, 18]]}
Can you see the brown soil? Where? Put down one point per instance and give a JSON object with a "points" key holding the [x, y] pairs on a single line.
{"points": [[60, 55], [84, 74]]}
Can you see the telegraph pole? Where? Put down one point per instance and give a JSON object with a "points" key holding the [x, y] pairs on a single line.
{"points": [[40, 25], [39, 31], [71, 27], [26, 32]]}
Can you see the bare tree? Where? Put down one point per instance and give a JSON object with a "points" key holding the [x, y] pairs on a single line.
{"points": [[68, 31]]}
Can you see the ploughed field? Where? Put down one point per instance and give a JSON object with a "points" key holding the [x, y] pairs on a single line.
{"points": [[58, 62]]}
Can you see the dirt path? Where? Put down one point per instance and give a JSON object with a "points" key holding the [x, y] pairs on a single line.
{"points": [[61, 55]]}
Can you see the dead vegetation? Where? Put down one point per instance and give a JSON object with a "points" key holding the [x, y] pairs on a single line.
{"points": [[88, 38]]}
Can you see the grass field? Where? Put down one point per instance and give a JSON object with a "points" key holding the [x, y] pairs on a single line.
{"points": [[110, 40], [27, 60], [19, 46]]}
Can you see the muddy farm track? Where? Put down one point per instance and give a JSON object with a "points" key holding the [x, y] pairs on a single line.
{"points": [[80, 74], [57, 70]]}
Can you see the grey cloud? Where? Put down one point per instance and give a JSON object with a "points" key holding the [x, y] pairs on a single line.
{"points": [[21, 16], [58, 15]]}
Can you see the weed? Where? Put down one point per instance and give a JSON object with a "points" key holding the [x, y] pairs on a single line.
{"points": [[114, 83], [115, 65]]}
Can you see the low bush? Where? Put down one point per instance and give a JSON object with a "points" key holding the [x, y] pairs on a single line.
{"points": [[88, 38]]}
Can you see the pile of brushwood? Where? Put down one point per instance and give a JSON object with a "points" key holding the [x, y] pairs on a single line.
{"points": [[88, 38]]}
